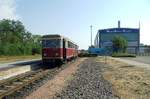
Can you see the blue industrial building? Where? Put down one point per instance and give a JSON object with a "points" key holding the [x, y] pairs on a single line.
{"points": [[132, 35]]}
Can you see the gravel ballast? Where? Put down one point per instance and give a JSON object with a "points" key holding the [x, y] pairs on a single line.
{"points": [[88, 83]]}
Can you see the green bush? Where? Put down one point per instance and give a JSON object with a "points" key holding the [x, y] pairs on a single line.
{"points": [[87, 55]]}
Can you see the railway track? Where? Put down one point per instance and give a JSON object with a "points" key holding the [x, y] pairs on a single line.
{"points": [[14, 84], [8, 87]]}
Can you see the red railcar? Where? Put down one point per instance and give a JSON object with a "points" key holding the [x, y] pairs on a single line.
{"points": [[56, 48]]}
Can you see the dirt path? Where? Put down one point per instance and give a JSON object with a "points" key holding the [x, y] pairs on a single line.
{"points": [[48, 90], [88, 83]]}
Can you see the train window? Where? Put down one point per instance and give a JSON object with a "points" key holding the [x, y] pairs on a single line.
{"points": [[52, 43], [69, 44], [72, 45]]}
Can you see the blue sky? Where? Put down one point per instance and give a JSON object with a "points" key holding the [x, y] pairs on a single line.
{"points": [[72, 18]]}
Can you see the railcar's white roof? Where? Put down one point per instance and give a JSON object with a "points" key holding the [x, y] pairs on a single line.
{"points": [[57, 36]]}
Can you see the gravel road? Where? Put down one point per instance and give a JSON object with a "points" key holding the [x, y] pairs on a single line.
{"points": [[142, 59], [88, 83], [139, 62]]}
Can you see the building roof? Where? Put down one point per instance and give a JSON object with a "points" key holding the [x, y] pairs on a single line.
{"points": [[119, 30]]}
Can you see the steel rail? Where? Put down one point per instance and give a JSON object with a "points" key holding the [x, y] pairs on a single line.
{"points": [[7, 87]]}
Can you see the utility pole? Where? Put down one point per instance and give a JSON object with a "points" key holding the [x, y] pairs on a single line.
{"points": [[139, 37], [139, 24], [91, 34]]}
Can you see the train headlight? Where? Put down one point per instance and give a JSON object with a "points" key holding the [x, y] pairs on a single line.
{"points": [[45, 54], [56, 54]]}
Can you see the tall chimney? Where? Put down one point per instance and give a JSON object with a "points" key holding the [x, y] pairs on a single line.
{"points": [[119, 24]]}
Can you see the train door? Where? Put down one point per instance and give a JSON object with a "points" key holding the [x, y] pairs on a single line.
{"points": [[64, 49]]}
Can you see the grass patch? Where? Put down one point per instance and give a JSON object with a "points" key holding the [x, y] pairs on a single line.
{"points": [[5, 59], [123, 55], [128, 82]]}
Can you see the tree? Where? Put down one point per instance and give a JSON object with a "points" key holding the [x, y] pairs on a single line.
{"points": [[147, 49], [119, 44], [16, 40], [11, 31]]}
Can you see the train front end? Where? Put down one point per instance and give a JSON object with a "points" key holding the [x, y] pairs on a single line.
{"points": [[52, 50]]}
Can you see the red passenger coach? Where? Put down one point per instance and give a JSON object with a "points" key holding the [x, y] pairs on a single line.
{"points": [[56, 48]]}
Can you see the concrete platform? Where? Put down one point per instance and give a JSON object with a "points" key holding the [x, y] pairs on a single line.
{"points": [[12, 69], [18, 63]]}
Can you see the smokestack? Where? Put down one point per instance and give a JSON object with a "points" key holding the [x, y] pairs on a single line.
{"points": [[119, 24]]}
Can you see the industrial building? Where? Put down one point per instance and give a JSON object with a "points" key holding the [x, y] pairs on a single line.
{"points": [[104, 38]]}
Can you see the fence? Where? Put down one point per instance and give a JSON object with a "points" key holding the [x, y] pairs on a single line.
{"points": [[143, 54]]}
